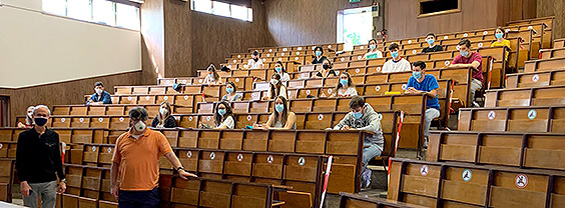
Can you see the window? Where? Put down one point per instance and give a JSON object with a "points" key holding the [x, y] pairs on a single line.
{"points": [[355, 26], [98, 11], [223, 9], [437, 7]]}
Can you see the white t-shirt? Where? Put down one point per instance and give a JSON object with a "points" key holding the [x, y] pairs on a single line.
{"points": [[285, 77], [400, 66], [373, 55], [228, 123], [351, 91], [255, 64]]}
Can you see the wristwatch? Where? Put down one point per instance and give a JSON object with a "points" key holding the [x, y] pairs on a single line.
{"points": [[180, 168]]}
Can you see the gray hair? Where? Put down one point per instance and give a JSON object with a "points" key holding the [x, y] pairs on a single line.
{"points": [[138, 113], [42, 106]]}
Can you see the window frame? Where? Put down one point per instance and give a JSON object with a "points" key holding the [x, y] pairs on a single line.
{"points": [[230, 15], [451, 11]]}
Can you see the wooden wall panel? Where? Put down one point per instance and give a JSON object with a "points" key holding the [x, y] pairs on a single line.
{"points": [[300, 22], [553, 8], [177, 31], [152, 41], [214, 38], [512, 10], [402, 18], [65, 93]]}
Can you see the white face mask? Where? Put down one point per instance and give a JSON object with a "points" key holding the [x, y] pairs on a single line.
{"points": [[164, 111], [139, 126], [274, 81], [98, 91]]}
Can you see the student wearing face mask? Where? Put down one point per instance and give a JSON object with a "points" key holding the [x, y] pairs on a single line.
{"points": [[345, 87], [255, 62], [276, 88], [29, 118], [468, 58], [422, 83], [326, 70], [38, 162], [364, 117], [213, 77], [232, 95], [373, 52], [223, 116], [319, 55], [281, 118], [279, 69], [164, 119], [100, 96], [432, 47], [500, 35], [136, 161], [397, 63]]}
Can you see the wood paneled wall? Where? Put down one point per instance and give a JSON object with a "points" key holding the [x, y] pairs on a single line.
{"points": [[553, 8], [70, 92], [511, 10], [152, 41], [214, 38], [300, 22]]}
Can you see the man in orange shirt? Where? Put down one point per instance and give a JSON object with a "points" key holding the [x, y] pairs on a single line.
{"points": [[136, 157]]}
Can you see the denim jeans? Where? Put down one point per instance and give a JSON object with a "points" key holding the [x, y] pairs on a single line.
{"points": [[139, 199]]}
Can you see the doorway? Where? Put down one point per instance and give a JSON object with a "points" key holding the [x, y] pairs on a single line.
{"points": [[355, 26]]}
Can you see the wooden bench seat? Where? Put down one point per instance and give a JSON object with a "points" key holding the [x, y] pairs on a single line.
{"points": [[68, 135], [210, 90], [347, 200], [512, 119], [535, 96], [544, 64], [553, 53], [559, 43], [187, 101], [434, 184], [536, 79], [524, 150], [114, 109]]}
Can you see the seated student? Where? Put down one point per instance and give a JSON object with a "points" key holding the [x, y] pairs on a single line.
{"points": [[373, 52], [232, 95], [364, 117], [420, 82], [326, 70], [281, 118], [397, 63], [319, 58], [468, 58], [500, 35], [432, 47], [345, 87], [100, 96], [279, 69], [29, 118], [223, 116], [276, 88], [213, 77], [164, 119], [255, 62]]}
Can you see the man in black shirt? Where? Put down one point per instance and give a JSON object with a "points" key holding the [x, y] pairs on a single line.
{"points": [[432, 47], [38, 158]]}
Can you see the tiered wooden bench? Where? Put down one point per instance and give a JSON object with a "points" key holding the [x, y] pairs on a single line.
{"points": [[347, 200]]}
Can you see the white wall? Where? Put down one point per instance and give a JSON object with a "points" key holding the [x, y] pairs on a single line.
{"points": [[37, 48]]}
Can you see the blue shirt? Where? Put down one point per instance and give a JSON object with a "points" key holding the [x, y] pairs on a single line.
{"points": [[429, 84], [106, 98]]}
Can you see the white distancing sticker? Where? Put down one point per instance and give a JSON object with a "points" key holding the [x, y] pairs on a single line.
{"points": [[342, 59], [212, 155], [480, 45], [189, 154], [409, 41], [166, 98], [357, 71], [446, 63], [299, 48], [465, 35], [81, 120], [129, 98], [109, 150], [270, 159], [535, 78], [521, 181], [296, 58], [414, 52], [467, 175], [359, 57], [249, 118], [362, 47], [284, 49], [379, 69], [236, 79], [532, 114], [93, 148], [424, 170], [122, 119], [270, 50], [186, 97], [491, 115], [378, 88], [282, 54], [100, 119], [63, 120], [234, 61], [320, 117], [190, 118], [240, 157], [404, 87], [238, 56], [200, 80], [147, 97], [308, 92], [208, 118], [530, 27], [280, 59], [229, 66], [297, 53], [485, 32], [445, 37], [329, 46], [184, 81], [301, 161]]}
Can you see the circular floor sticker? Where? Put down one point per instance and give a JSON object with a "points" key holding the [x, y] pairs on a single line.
{"points": [[297, 53], [532, 114], [467, 175], [301, 161], [184, 81], [240, 157], [280, 59], [530, 27], [491, 115], [307, 92], [247, 67], [189, 154], [424, 170], [212, 155], [270, 159], [535, 78], [521, 181], [234, 61], [200, 80]]}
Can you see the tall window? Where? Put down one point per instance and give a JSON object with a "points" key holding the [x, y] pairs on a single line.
{"points": [[97, 11], [355, 26], [223, 9]]}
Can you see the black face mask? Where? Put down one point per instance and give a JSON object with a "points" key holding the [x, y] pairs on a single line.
{"points": [[327, 67], [255, 59]]}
